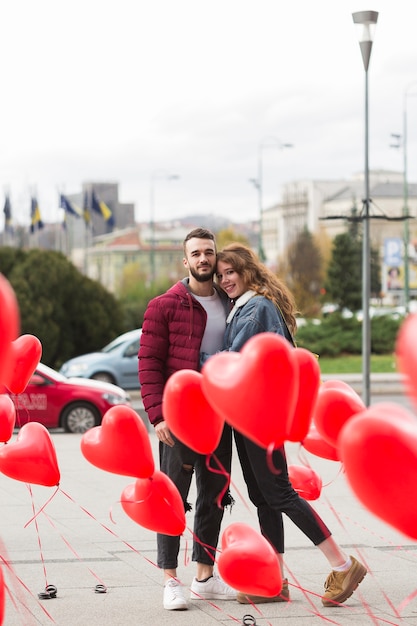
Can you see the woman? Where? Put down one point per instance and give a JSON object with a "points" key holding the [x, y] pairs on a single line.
{"points": [[262, 303]]}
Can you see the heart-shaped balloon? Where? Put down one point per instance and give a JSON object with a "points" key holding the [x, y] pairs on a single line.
{"points": [[32, 457], [255, 390], [335, 405], [379, 453], [155, 503], [309, 383], [248, 562], [306, 482], [406, 354], [7, 418], [188, 414], [120, 445], [315, 444], [25, 354], [9, 325]]}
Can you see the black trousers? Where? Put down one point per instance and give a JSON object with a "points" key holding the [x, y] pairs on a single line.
{"points": [[210, 484], [273, 494]]}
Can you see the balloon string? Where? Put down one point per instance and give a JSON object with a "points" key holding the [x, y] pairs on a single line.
{"points": [[41, 509], [35, 518], [304, 460], [222, 472], [269, 461], [106, 528], [75, 553], [26, 588]]}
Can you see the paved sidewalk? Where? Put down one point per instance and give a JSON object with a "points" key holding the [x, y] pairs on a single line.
{"points": [[84, 538]]}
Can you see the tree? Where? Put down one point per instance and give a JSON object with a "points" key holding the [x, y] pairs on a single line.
{"points": [[304, 273], [344, 280], [69, 313], [228, 235]]}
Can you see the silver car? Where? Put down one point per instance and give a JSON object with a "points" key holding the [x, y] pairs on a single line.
{"points": [[116, 363]]}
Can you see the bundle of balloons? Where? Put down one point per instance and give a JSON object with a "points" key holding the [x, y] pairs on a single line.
{"points": [[270, 392]]}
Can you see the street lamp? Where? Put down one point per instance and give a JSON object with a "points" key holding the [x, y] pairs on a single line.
{"points": [[366, 20], [267, 142], [406, 234], [157, 175]]}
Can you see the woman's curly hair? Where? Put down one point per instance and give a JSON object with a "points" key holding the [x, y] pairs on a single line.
{"points": [[257, 277]]}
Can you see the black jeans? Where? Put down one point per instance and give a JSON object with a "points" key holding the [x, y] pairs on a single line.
{"points": [[208, 513], [273, 494]]}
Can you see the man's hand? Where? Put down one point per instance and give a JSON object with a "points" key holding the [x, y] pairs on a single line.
{"points": [[163, 434]]}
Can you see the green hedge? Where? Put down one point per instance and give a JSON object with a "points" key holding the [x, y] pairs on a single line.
{"points": [[336, 335]]}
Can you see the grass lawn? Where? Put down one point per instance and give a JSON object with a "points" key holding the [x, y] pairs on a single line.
{"points": [[352, 364]]}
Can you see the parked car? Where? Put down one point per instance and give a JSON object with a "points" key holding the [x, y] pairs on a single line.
{"points": [[116, 363], [73, 404]]}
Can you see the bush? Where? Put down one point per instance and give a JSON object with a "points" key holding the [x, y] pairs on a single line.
{"points": [[384, 331], [336, 335]]}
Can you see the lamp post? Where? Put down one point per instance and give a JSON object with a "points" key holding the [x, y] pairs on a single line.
{"points": [[157, 175], [366, 20], [406, 234], [267, 142]]}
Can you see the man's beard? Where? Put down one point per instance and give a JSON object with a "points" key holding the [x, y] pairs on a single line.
{"points": [[201, 278]]}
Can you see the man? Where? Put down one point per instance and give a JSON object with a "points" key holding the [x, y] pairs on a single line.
{"points": [[181, 328]]}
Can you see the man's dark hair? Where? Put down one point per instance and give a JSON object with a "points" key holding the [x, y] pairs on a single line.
{"points": [[200, 233]]}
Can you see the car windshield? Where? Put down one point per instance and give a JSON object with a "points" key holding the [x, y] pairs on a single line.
{"points": [[44, 370], [115, 343]]}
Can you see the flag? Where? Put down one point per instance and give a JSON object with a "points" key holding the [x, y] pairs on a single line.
{"points": [[35, 216], [70, 207], [86, 210], [7, 216], [100, 207]]}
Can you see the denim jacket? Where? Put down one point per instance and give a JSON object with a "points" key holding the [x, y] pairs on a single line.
{"points": [[251, 315]]}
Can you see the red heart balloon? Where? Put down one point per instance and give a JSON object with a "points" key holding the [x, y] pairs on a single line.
{"points": [[9, 325], [120, 445], [406, 354], [7, 418], [334, 406], [155, 503], [255, 390], [379, 453], [248, 562], [25, 354], [188, 414], [306, 482], [309, 383], [315, 444], [32, 457]]}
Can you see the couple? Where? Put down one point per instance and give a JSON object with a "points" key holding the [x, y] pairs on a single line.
{"points": [[195, 319]]}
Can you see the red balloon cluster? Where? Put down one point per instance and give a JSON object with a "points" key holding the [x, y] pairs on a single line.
{"points": [[272, 393], [31, 458], [266, 391], [121, 445]]}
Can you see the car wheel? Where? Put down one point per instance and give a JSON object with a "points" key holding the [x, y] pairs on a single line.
{"points": [[104, 376], [80, 417]]}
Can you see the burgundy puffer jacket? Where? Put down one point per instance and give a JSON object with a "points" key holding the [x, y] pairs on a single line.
{"points": [[172, 331]]}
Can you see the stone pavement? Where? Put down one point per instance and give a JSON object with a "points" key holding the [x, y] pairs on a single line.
{"points": [[84, 538]]}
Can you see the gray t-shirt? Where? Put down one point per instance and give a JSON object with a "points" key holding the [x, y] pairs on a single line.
{"points": [[213, 337]]}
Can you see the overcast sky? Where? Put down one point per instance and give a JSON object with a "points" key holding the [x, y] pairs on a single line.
{"points": [[130, 90]]}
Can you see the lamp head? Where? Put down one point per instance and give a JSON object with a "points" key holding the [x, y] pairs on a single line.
{"points": [[366, 22]]}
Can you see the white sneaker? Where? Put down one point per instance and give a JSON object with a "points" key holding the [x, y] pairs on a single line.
{"points": [[213, 589], [174, 599]]}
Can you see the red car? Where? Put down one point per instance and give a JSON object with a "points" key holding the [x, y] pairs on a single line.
{"points": [[74, 404]]}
